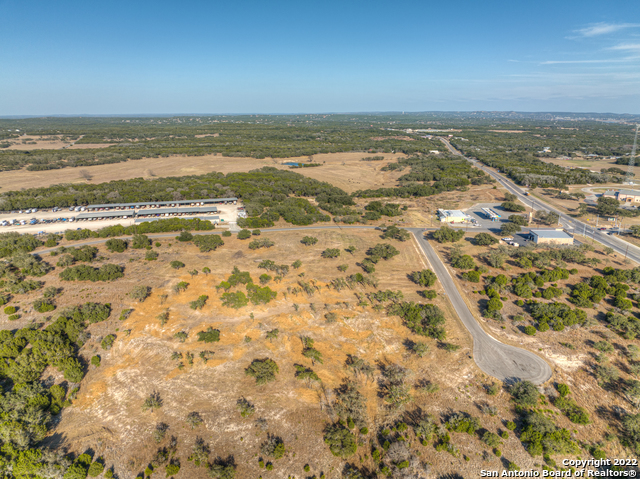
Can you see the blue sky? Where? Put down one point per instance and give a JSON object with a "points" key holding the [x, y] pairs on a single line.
{"points": [[244, 56]]}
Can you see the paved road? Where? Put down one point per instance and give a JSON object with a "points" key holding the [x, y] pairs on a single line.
{"points": [[502, 361], [571, 224], [499, 360]]}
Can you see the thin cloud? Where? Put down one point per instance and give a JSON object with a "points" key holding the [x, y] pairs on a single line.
{"points": [[603, 28], [568, 62], [634, 47]]}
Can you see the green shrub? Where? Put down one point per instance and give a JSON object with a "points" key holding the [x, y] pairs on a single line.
{"points": [[140, 293], [512, 206], [342, 443], [199, 303], [273, 447], [9, 310], [106, 272], [563, 389], [95, 469], [176, 264], [43, 305], [95, 360], [13, 317], [108, 341], [448, 235], [208, 243], [116, 245], [226, 233], [140, 241], [184, 236], [530, 330], [471, 276], [525, 393], [151, 255], [261, 243], [209, 336], [309, 240], [331, 253], [425, 278], [244, 234], [172, 469], [484, 239], [234, 300], [263, 370]]}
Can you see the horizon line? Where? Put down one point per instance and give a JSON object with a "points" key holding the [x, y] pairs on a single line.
{"points": [[372, 112]]}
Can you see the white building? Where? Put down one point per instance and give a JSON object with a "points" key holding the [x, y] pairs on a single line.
{"points": [[453, 216]]}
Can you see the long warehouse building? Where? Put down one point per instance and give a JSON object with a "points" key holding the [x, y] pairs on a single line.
{"points": [[156, 213], [158, 204]]}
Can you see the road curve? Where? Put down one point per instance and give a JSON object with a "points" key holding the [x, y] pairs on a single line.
{"points": [[502, 361]]}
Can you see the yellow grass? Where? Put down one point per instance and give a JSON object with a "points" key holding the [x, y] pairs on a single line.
{"points": [[344, 170]]}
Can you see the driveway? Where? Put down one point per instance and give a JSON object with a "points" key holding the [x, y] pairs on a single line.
{"points": [[502, 361]]}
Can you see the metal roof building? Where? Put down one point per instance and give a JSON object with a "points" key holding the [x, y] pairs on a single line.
{"points": [[158, 213], [453, 216], [551, 236], [205, 201], [213, 219], [106, 214], [177, 211]]}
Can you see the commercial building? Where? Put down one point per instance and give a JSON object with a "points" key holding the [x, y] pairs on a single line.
{"points": [[626, 196], [629, 196], [551, 236], [453, 216]]}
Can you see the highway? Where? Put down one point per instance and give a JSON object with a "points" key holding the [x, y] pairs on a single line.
{"points": [[573, 225]]}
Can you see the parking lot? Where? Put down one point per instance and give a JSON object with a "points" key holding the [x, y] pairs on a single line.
{"points": [[494, 226], [57, 220], [478, 215]]}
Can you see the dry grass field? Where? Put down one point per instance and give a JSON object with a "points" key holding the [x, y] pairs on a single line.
{"points": [[36, 142], [590, 164], [344, 170], [107, 414]]}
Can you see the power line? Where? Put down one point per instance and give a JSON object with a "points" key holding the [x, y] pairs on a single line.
{"points": [[632, 162]]}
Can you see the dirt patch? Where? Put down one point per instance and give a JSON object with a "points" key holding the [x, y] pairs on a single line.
{"points": [[208, 134], [86, 146], [35, 142], [403, 138]]}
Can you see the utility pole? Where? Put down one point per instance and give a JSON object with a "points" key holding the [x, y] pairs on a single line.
{"points": [[631, 158]]}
